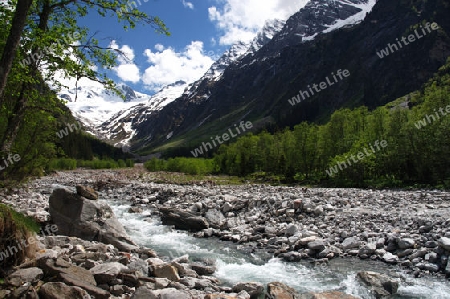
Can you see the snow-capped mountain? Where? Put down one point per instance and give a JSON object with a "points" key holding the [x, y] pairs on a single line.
{"points": [[120, 127], [316, 18], [91, 103], [134, 118]]}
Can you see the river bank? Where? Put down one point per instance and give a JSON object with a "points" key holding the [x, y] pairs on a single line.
{"points": [[403, 229]]}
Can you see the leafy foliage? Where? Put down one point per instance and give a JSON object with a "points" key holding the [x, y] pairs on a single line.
{"points": [[193, 166]]}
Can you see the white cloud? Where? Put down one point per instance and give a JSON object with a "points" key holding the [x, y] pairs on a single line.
{"points": [[126, 70], [187, 4], [159, 47], [169, 66], [240, 20]]}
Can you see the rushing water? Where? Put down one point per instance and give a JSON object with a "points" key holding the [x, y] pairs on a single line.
{"points": [[234, 265]]}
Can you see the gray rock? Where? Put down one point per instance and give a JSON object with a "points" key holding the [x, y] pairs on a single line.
{"points": [[203, 269], [350, 243], [431, 267], [58, 290], [404, 252], [139, 266], [318, 210], [254, 289], [143, 293], [88, 220], [184, 220], [227, 207], [87, 192], [444, 242], [59, 266], [104, 273], [381, 285], [317, 245], [406, 243], [215, 218], [28, 275], [390, 258], [368, 249], [135, 210], [291, 230], [431, 244], [380, 243]]}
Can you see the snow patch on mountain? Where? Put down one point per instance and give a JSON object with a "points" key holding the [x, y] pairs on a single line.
{"points": [[355, 19]]}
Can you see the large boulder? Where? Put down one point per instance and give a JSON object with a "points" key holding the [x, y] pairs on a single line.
{"points": [[87, 219], [184, 220], [379, 284]]}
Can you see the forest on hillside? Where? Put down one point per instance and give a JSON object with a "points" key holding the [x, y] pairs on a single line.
{"points": [[404, 143]]}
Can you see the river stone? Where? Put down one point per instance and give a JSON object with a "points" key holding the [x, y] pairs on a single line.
{"points": [[58, 290], [317, 245], [143, 292], [182, 219], [166, 271], [203, 269], [381, 285], [87, 192], [28, 275], [390, 258], [104, 273], [59, 266], [278, 290], [444, 242], [254, 289], [367, 250], [227, 207], [89, 220], [215, 218], [350, 243], [318, 210], [139, 266], [291, 230], [406, 243]]}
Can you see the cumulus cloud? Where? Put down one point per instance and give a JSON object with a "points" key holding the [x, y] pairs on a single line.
{"points": [[240, 20], [126, 70], [187, 4], [168, 66]]}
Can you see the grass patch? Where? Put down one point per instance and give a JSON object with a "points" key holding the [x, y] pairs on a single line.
{"points": [[22, 222]]}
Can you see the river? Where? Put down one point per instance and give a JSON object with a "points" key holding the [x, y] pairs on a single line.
{"points": [[235, 265]]}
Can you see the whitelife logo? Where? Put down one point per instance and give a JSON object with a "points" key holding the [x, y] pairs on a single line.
{"points": [[361, 156], [315, 87], [428, 119], [208, 146], [10, 160], [391, 48]]}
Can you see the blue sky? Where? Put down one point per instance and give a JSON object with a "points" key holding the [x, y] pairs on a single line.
{"points": [[201, 30]]}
